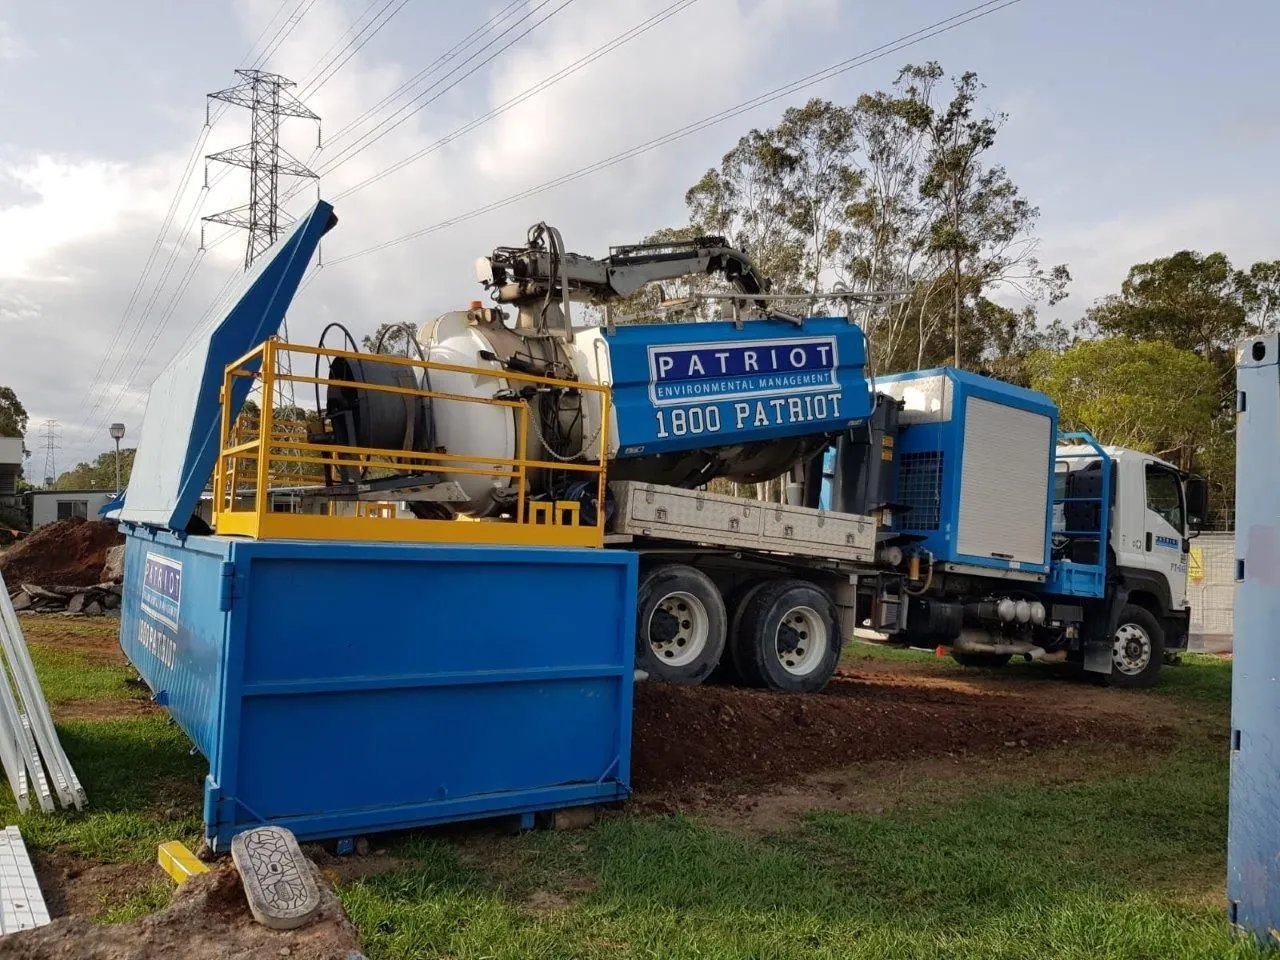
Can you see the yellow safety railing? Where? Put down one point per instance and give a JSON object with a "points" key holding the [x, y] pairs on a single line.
{"points": [[258, 457]]}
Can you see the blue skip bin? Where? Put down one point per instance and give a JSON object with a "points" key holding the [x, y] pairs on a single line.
{"points": [[339, 689]]}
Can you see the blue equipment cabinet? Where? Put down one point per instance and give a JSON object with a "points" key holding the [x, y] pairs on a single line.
{"points": [[974, 470], [1253, 839], [346, 688]]}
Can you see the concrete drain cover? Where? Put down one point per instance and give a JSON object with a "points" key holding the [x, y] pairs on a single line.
{"points": [[277, 878]]}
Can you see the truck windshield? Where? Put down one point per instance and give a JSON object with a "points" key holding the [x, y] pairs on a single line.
{"points": [[1164, 495]]}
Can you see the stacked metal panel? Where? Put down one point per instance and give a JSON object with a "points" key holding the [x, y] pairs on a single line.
{"points": [[28, 741]]}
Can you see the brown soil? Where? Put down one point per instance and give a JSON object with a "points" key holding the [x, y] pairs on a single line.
{"points": [[103, 709], [69, 552], [208, 919], [76, 887], [95, 639], [693, 743]]}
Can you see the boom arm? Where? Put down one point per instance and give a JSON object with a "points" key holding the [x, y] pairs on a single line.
{"points": [[541, 272]]}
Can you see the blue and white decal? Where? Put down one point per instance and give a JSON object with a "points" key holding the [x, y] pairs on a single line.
{"points": [[159, 608], [1169, 543], [690, 385], [722, 371]]}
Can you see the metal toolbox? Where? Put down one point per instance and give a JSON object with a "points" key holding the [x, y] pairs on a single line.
{"points": [[695, 516]]}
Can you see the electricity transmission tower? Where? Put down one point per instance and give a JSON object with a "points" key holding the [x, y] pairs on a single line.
{"points": [[52, 442], [268, 99]]}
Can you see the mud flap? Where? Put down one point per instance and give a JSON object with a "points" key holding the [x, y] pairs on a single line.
{"points": [[1097, 650], [1097, 656]]}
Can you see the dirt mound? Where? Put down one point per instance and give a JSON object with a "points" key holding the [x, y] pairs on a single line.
{"points": [[722, 740], [208, 919], [69, 552]]}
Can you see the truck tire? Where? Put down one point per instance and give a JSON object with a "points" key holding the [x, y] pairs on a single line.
{"points": [[735, 603], [788, 638], [980, 659], [680, 624], [1137, 649]]}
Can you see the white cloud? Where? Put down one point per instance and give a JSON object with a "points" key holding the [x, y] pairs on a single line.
{"points": [[1100, 253], [12, 47]]}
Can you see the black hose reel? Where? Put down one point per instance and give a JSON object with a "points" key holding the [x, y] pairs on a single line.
{"points": [[371, 418]]}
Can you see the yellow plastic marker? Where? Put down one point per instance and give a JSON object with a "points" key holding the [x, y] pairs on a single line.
{"points": [[179, 862]]}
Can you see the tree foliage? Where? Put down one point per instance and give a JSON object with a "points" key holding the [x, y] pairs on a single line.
{"points": [[892, 192], [1145, 394], [1192, 301], [389, 338], [13, 415], [98, 474]]}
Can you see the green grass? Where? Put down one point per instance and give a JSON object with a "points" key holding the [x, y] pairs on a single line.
{"points": [[67, 675], [143, 789], [1121, 867], [143, 785], [154, 896]]}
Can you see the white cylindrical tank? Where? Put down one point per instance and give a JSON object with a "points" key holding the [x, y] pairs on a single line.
{"points": [[480, 429]]}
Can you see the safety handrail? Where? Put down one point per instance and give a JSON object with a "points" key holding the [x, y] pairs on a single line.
{"points": [[252, 455]]}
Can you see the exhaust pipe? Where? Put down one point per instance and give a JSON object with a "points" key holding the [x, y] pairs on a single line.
{"points": [[1013, 648]]}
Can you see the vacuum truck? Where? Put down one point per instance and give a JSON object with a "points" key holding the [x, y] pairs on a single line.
{"points": [[935, 508]]}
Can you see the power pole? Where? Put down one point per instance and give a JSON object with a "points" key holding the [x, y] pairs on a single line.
{"points": [[52, 442], [268, 99]]}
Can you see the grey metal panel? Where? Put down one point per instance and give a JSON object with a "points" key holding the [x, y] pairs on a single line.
{"points": [[1253, 833], [695, 516], [1004, 482], [178, 444]]}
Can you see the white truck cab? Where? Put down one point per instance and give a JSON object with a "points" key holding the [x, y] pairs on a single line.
{"points": [[1155, 509]]}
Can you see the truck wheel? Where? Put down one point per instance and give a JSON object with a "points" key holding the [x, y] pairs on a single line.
{"points": [[733, 645], [1137, 649], [680, 624], [788, 638], [980, 659]]}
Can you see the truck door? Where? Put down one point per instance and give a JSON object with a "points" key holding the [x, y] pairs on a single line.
{"points": [[1166, 515]]}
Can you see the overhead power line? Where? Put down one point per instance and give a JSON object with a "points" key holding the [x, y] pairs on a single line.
{"points": [[184, 180], [325, 73], [421, 101], [621, 39], [937, 28], [429, 69]]}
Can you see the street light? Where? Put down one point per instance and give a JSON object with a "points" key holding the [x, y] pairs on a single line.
{"points": [[117, 434]]}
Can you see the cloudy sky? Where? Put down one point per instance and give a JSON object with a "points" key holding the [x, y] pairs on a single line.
{"points": [[1138, 126]]}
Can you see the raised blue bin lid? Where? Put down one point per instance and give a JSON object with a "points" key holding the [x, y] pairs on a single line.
{"points": [[178, 445]]}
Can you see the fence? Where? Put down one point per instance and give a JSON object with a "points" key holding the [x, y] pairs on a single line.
{"points": [[1211, 589]]}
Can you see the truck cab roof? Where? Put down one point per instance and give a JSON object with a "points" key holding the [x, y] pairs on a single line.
{"points": [[1119, 454]]}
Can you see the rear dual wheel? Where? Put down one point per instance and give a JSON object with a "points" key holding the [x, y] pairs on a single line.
{"points": [[785, 637], [680, 624]]}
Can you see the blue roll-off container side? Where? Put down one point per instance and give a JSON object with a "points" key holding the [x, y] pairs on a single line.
{"points": [[339, 689]]}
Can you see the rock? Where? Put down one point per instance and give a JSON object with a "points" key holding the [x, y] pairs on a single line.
{"points": [[21, 601], [113, 569], [40, 593], [279, 882], [110, 601], [94, 609], [76, 603]]}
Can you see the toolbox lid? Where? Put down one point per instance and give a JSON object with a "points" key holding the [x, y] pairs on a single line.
{"points": [[178, 444]]}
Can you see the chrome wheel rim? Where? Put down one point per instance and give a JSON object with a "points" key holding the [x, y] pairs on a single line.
{"points": [[800, 642], [678, 629], [1131, 649]]}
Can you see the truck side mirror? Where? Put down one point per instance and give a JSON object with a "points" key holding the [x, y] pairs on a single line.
{"points": [[1197, 493]]}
